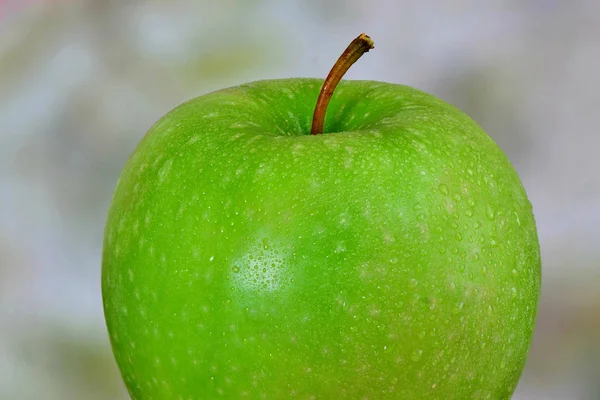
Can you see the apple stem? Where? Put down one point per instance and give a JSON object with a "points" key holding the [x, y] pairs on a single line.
{"points": [[359, 46]]}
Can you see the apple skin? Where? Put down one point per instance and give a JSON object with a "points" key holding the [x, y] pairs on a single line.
{"points": [[393, 257]]}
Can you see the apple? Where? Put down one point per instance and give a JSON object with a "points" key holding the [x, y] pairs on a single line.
{"points": [[393, 255]]}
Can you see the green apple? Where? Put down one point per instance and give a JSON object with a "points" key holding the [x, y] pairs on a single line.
{"points": [[395, 256]]}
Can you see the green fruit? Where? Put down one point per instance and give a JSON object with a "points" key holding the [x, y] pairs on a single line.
{"points": [[393, 257]]}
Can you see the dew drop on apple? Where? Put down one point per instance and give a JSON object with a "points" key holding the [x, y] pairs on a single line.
{"points": [[489, 213], [458, 308], [517, 218], [443, 189], [416, 355], [163, 172]]}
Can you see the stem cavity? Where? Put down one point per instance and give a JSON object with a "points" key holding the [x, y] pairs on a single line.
{"points": [[359, 46]]}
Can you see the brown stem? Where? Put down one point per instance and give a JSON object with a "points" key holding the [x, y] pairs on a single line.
{"points": [[353, 52]]}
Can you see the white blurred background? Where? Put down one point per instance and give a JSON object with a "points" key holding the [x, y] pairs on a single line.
{"points": [[82, 81]]}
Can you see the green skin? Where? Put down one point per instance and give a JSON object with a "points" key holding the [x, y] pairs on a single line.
{"points": [[393, 257]]}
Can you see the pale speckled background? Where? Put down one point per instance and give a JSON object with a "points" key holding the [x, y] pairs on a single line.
{"points": [[81, 82]]}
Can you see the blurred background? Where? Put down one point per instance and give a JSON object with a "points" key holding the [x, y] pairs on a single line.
{"points": [[82, 81]]}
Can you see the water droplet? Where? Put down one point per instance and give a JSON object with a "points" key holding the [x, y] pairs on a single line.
{"points": [[517, 217], [459, 236], [211, 258], [469, 213], [443, 189], [458, 308], [416, 355], [164, 171], [235, 269], [265, 244], [413, 283], [417, 207], [489, 213], [421, 217]]}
